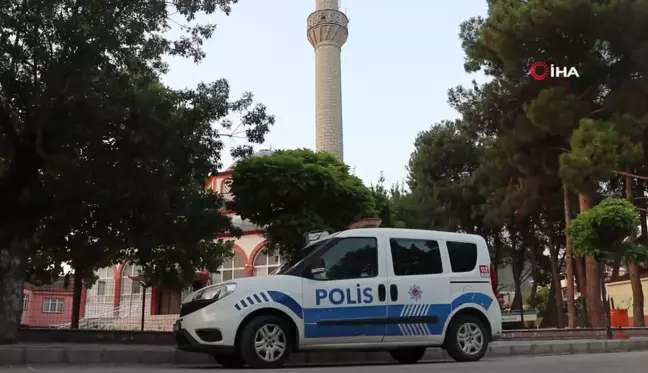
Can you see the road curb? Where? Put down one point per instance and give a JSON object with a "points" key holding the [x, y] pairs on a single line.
{"points": [[71, 354]]}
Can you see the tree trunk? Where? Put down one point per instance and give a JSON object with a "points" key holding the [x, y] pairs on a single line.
{"points": [[605, 303], [557, 289], [533, 258], [532, 295], [518, 303], [592, 277], [518, 268], [580, 275], [615, 269], [644, 202], [569, 262], [594, 309], [637, 295], [517, 282], [548, 319], [644, 224], [76, 299], [634, 270], [13, 264]]}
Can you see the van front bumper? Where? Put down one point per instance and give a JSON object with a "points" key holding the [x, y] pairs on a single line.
{"points": [[185, 341]]}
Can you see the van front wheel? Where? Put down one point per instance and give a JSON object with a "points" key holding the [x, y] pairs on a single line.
{"points": [[410, 355], [266, 342], [466, 339]]}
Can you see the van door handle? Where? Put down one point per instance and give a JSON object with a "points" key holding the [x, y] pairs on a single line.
{"points": [[393, 292], [382, 293]]}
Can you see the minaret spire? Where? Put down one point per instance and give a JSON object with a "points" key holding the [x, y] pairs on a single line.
{"points": [[327, 33]]}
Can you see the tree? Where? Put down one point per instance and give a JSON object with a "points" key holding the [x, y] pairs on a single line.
{"points": [[514, 177], [406, 214], [598, 149], [517, 33], [384, 204], [441, 178], [102, 162], [603, 229], [293, 192]]}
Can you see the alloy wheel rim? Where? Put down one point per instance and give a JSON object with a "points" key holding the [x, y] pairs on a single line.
{"points": [[470, 338], [270, 342]]}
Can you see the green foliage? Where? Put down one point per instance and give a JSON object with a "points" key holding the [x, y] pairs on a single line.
{"points": [[580, 309], [592, 158], [599, 147], [441, 179], [595, 121], [383, 203], [100, 160], [602, 230], [293, 192], [634, 253], [541, 300], [556, 112], [403, 206]]}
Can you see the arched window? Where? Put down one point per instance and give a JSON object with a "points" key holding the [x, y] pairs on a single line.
{"points": [[232, 268], [130, 287], [101, 295], [104, 289], [264, 264]]}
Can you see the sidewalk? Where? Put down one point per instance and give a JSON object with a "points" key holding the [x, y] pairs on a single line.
{"points": [[103, 354]]}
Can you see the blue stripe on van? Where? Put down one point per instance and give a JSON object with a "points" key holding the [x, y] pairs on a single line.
{"points": [[288, 301], [312, 315], [442, 311]]}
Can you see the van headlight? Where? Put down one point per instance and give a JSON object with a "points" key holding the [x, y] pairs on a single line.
{"points": [[215, 293]]}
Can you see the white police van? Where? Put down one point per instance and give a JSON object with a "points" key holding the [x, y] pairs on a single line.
{"points": [[400, 290]]}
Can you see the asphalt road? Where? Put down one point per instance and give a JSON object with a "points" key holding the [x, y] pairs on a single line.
{"points": [[630, 362]]}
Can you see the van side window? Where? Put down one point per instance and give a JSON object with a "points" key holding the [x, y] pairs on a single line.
{"points": [[415, 257], [463, 256], [349, 258]]}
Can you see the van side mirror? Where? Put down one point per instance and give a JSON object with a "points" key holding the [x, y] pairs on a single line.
{"points": [[311, 272]]}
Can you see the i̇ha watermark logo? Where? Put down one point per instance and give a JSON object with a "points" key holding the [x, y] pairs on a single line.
{"points": [[541, 70]]}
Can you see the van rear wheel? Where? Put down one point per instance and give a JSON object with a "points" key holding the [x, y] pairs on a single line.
{"points": [[266, 342], [410, 355], [466, 339]]}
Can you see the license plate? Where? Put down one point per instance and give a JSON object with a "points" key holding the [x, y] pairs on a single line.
{"points": [[176, 326]]}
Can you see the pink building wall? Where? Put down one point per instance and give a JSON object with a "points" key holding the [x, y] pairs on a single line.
{"points": [[34, 315]]}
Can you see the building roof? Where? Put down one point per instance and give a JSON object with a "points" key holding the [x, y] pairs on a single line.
{"points": [[260, 153], [244, 225], [626, 277], [58, 285]]}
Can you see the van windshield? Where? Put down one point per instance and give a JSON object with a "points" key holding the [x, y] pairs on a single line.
{"points": [[298, 257]]}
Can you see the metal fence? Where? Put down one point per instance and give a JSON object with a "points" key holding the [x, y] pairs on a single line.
{"points": [[132, 307]]}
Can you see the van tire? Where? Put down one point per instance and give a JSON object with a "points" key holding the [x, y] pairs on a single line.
{"points": [[229, 361], [271, 329], [410, 355], [473, 329]]}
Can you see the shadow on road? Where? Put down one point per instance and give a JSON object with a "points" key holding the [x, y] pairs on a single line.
{"points": [[316, 365]]}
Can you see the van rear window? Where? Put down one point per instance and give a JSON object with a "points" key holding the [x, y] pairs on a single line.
{"points": [[415, 257], [463, 256]]}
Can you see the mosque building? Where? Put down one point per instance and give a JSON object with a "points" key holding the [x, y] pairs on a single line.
{"points": [[116, 300]]}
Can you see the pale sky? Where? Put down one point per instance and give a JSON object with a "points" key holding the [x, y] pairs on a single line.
{"points": [[397, 66]]}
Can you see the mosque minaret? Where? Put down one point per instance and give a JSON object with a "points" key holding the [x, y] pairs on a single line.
{"points": [[327, 33]]}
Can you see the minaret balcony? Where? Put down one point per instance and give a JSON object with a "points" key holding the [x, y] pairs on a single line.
{"points": [[327, 26]]}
